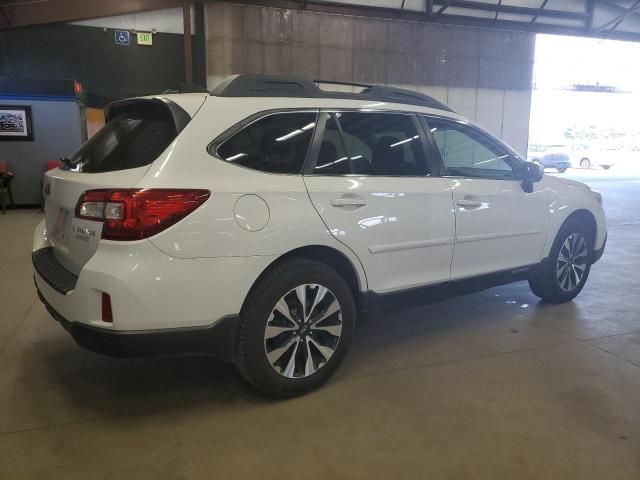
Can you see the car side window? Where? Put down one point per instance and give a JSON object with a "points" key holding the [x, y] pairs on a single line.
{"points": [[466, 152], [276, 143], [368, 143], [332, 156]]}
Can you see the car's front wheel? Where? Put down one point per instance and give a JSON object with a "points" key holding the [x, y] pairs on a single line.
{"points": [[295, 328], [566, 270]]}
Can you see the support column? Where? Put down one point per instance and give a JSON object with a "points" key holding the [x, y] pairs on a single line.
{"points": [[188, 57]]}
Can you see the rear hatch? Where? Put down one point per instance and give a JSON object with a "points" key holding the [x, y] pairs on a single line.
{"points": [[135, 134]]}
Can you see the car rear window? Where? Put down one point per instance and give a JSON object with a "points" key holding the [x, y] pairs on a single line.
{"points": [[134, 137]]}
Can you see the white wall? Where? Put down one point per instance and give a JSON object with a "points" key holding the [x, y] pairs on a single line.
{"points": [[505, 113]]}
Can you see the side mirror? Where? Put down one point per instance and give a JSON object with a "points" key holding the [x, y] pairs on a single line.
{"points": [[531, 173]]}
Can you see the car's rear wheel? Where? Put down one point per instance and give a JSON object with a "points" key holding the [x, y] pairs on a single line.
{"points": [[567, 268], [606, 167], [585, 163], [562, 170], [295, 328]]}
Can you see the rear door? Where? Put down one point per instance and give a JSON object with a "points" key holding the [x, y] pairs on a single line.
{"points": [[376, 192], [136, 133]]}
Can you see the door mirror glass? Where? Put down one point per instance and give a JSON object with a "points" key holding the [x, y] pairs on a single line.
{"points": [[532, 172]]}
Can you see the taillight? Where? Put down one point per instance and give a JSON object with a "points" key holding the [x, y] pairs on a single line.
{"points": [[133, 214]]}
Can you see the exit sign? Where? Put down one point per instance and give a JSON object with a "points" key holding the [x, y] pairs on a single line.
{"points": [[145, 38]]}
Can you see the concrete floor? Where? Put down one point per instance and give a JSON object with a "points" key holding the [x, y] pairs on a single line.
{"points": [[487, 386]]}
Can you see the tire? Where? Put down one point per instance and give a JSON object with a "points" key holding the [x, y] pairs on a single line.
{"points": [[273, 306], [606, 167], [585, 163], [552, 286], [562, 170]]}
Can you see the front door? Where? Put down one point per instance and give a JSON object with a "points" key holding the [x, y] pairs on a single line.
{"points": [[372, 186], [498, 225]]}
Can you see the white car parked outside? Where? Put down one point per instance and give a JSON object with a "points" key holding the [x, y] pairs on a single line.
{"points": [[259, 222]]}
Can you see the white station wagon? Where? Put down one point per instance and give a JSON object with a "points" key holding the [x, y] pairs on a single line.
{"points": [[259, 222]]}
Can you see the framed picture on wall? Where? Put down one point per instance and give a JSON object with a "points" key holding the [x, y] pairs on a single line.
{"points": [[15, 123]]}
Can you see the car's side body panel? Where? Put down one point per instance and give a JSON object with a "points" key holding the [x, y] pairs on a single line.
{"points": [[498, 225], [403, 233], [567, 197]]}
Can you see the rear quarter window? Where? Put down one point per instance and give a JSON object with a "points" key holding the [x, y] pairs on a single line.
{"points": [[134, 136], [275, 143]]}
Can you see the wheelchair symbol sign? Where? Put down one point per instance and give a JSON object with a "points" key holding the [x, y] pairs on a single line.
{"points": [[122, 37]]}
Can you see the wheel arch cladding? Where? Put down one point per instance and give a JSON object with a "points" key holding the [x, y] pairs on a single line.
{"points": [[329, 256], [588, 220]]}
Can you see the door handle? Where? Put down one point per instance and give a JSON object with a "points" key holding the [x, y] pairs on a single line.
{"points": [[348, 202], [469, 203]]}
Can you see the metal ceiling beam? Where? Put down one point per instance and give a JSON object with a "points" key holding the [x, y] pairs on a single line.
{"points": [[446, 19], [619, 19], [617, 24], [534, 28], [492, 7], [591, 10], [612, 4], [21, 13], [444, 6], [535, 17]]}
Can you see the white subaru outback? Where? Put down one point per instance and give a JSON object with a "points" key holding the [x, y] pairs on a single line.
{"points": [[257, 223]]}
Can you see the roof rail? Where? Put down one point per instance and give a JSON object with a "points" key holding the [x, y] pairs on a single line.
{"points": [[251, 85]]}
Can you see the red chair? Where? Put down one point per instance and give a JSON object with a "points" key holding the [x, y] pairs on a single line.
{"points": [[5, 185]]}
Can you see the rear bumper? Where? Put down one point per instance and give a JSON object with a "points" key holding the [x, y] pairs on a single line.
{"points": [[161, 305], [52, 272], [217, 340], [149, 290]]}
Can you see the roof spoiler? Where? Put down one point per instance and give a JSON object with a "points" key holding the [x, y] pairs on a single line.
{"points": [[180, 117]]}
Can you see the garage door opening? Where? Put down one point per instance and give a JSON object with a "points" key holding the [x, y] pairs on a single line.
{"points": [[586, 94]]}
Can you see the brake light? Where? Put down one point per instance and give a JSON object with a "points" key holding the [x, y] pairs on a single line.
{"points": [[134, 214]]}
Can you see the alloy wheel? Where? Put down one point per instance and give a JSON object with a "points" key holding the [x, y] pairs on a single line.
{"points": [[572, 262], [303, 331]]}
